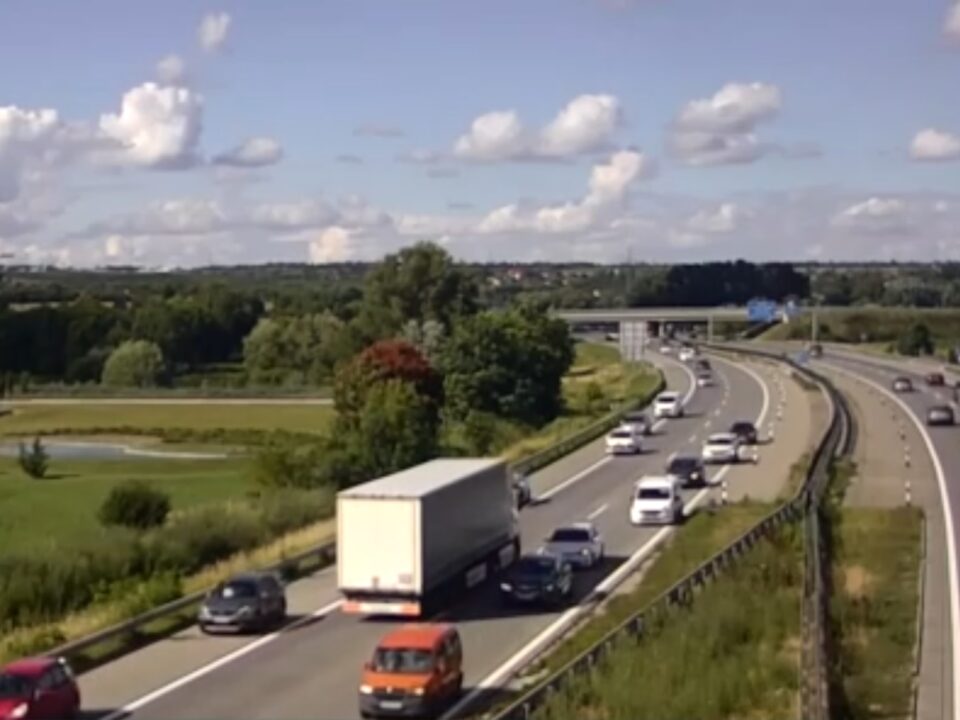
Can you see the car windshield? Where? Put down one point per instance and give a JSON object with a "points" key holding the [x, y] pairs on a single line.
{"points": [[653, 493], [720, 440], [682, 465], [620, 434], [402, 660], [667, 398], [570, 535], [237, 589], [14, 686], [635, 418], [534, 565]]}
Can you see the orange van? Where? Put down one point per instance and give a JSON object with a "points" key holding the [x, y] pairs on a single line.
{"points": [[416, 671]]}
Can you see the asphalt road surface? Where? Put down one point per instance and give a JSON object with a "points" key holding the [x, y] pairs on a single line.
{"points": [[311, 669]]}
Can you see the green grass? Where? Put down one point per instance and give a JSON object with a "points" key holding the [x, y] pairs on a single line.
{"points": [[62, 508], [703, 535], [872, 325], [734, 652], [98, 418], [876, 569]]}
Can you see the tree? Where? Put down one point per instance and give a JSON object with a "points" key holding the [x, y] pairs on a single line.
{"points": [[427, 336], [34, 462], [135, 363], [510, 364], [286, 462], [915, 341], [134, 504], [418, 283], [395, 429], [383, 361], [304, 348]]}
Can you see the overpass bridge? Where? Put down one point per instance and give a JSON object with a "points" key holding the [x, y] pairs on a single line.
{"points": [[637, 326]]}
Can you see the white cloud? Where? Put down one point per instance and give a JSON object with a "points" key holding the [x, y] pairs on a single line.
{"points": [[180, 216], [333, 244], [721, 129], [171, 70], [157, 126], [951, 23], [723, 219], [586, 124], [932, 144], [875, 215], [253, 152], [609, 181], [213, 30], [293, 215], [26, 136]]}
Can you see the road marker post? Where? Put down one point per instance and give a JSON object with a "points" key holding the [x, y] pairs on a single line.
{"points": [[723, 490], [906, 492]]}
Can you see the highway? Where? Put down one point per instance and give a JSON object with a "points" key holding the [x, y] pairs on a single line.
{"points": [[311, 668]]}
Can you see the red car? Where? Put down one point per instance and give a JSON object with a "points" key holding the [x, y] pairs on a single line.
{"points": [[38, 689], [935, 379]]}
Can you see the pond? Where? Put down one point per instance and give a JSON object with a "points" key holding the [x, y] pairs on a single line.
{"points": [[66, 450]]}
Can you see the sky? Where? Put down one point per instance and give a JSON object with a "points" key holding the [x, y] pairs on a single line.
{"points": [[176, 134]]}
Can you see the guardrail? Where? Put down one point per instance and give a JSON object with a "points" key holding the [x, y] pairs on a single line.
{"points": [[326, 554], [815, 698]]}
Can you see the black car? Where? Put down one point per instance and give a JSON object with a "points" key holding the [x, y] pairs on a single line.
{"points": [[746, 431], [703, 364], [249, 601], [940, 415], [689, 470], [537, 580]]}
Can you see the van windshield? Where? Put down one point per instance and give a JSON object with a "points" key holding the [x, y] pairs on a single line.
{"points": [[402, 660], [653, 494]]}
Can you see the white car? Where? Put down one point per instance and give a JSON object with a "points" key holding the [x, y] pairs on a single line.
{"points": [[623, 441], [656, 500], [579, 544], [638, 422], [705, 378], [666, 348], [668, 405], [687, 354], [721, 448]]}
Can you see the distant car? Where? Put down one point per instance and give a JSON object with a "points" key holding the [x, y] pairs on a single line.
{"points": [[816, 350], [935, 379], [656, 500], [702, 364], [940, 415], [902, 385], [687, 354], [537, 579], [579, 544], [746, 431], [668, 405], [521, 489], [721, 448], [638, 421], [688, 470], [39, 688], [623, 441], [666, 348], [705, 378], [248, 601]]}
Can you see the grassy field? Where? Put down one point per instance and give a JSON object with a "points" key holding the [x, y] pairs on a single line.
{"points": [[63, 506], [28, 419], [876, 569], [871, 325], [734, 652]]}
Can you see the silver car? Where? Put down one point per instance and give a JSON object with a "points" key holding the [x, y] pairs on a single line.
{"points": [[579, 544]]}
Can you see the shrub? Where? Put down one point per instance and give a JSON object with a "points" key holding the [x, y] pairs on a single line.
{"points": [[135, 363], [35, 641], [134, 504], [35, 461], [288, 510]]}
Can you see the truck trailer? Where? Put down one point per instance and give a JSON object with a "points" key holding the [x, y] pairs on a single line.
{"points": [[407, 541]]}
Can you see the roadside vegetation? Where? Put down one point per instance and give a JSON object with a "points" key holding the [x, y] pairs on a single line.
{"points": [[733, 652], [876, 561]]}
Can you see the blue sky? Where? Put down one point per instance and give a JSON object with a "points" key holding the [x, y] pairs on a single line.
{"points": [[854, 79]]}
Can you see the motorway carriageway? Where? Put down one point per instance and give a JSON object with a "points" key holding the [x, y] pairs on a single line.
{"points": [[312, 667], [943, 445]]}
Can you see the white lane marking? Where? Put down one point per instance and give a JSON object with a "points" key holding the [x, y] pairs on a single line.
{"points": [[216, 664], [598, 512], [525, 654], [693, 439], [945, 506]]}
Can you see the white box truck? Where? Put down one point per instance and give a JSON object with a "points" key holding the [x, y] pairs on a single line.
{"points": [[407, 541]]}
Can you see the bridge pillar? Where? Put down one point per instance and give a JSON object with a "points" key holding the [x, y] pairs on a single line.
{"points": [[633, 339]]}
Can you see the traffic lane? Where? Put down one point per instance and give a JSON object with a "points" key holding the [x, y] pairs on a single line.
{"points": [[573, 467], [136, 674], [489, 634]]}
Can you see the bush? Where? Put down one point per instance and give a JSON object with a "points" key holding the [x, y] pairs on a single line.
{"points": [[134, 504], [35, 642], [135, 363], [917, 340], [34, 462]]}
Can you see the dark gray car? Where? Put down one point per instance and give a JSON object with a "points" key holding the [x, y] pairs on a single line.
{"points": [[250, 601]]}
